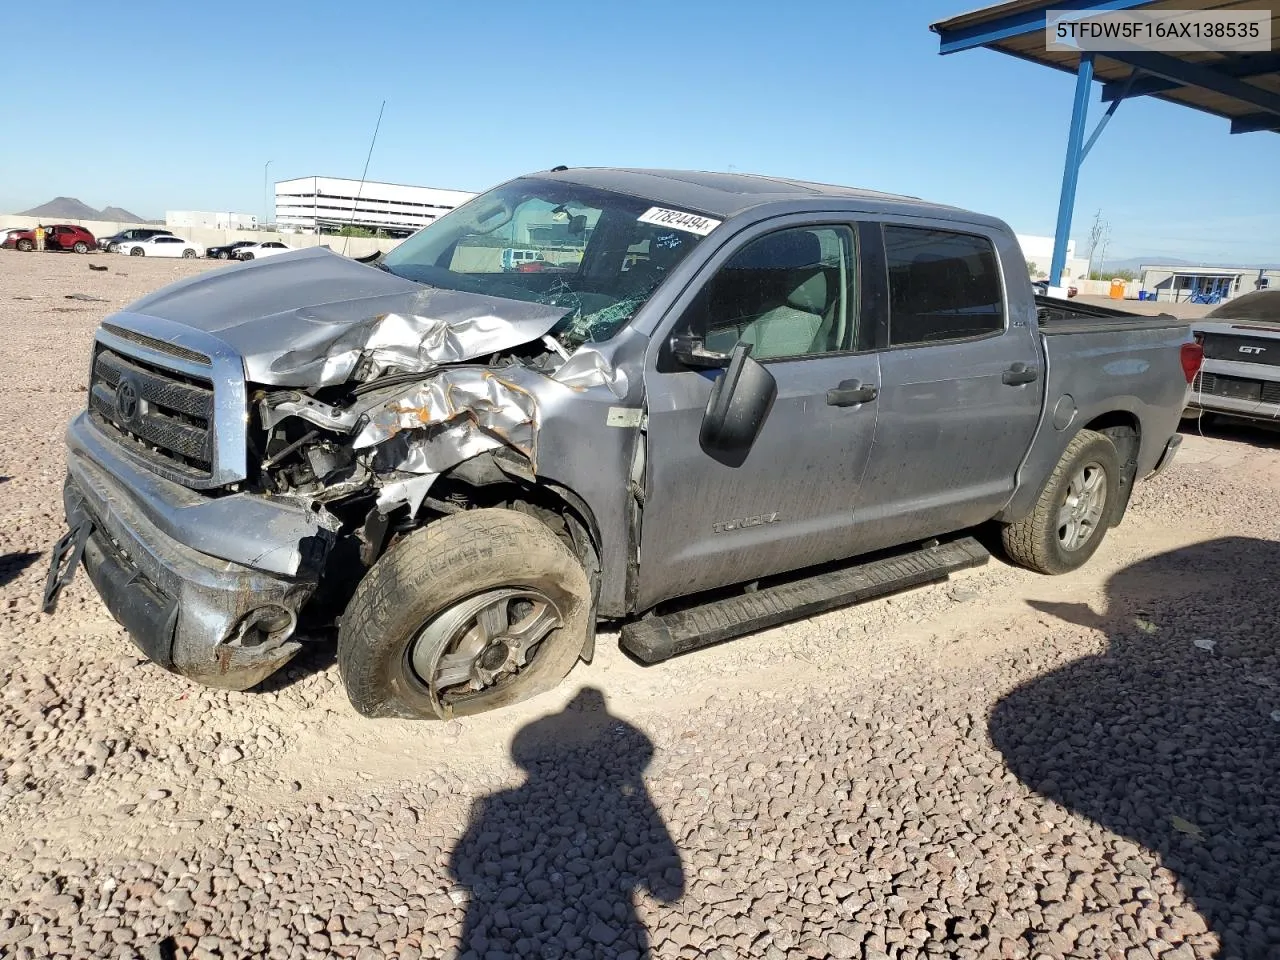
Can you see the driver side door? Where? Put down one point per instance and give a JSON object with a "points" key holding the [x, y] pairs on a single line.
{"points": [[794, 291]]}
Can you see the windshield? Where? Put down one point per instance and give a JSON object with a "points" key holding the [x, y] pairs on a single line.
{"points": [[590, 251]]}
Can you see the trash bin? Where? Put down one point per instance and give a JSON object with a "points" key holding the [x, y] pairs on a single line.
{"points": [[1117, 289], [1142, 295]]}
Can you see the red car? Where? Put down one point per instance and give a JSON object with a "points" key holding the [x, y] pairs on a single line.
{"points": [[59, 236]]}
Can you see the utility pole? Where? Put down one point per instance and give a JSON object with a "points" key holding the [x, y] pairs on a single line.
{"points": [[1095, 234], [266, 196], [1106, 239]]}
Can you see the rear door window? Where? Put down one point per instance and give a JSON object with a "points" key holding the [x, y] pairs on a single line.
{"points": [[943, 285]]}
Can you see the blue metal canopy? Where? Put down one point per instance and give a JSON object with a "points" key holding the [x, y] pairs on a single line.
{"points": [[1241, 88]]}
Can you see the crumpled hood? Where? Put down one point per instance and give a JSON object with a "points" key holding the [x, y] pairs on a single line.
{"points": [[314, 318]]}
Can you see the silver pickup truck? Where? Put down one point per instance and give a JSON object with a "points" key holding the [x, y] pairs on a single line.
{"points": [[713, 403]]}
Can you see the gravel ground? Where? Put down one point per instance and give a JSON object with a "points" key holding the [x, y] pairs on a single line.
{"points": [[1004, 766]]}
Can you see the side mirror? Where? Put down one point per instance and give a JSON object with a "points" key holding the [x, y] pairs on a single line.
{"points": [[692, 352], [736, 410]]}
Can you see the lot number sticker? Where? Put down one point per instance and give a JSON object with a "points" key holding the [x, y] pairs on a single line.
{"points": [[679, 220]]}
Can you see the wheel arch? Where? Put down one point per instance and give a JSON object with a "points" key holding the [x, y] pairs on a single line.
{"points": [[1121, 425], [1124, 429], [504, 479]]}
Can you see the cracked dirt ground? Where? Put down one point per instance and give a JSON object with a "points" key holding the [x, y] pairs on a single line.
{"points": [[1005, 765]]}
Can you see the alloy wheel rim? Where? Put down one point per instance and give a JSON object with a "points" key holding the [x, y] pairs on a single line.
{"points": [[481, 643], [1081, 512]]}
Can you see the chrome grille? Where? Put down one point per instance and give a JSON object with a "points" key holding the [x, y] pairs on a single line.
{"points": [[163, 415], [161, 346]]}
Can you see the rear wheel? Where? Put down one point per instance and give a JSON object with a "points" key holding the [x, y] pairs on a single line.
{"points": [[188, 254], [476, 611], [223, 255], [26, 246], [80, 247], [1074, 510]]}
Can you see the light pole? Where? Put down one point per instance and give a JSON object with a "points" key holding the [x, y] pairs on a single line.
{"points": [[265, 195]]}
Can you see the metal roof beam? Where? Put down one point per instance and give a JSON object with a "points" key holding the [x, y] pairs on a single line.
{"points": [[1255, 122], [1248, 65], [1193, 75], [1016, 24]]}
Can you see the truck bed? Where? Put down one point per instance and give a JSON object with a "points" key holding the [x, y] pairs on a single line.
{"points": [[1061, 317]]}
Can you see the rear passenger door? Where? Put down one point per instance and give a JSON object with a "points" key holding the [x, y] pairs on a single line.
{"points": [[961, 387]]}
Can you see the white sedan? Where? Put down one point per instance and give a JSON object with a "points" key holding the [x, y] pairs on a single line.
{"points": [[256, 251], [161, 246]]}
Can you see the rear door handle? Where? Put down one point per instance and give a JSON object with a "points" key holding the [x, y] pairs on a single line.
{"points": [[849, 393], [1019, 374]]}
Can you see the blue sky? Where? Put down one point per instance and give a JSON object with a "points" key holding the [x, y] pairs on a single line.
{"points": [[180, 106]]}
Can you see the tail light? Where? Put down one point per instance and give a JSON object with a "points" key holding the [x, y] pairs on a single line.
{"points": [[1192, 358]]}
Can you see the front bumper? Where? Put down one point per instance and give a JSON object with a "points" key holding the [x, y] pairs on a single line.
{"points": [[189, 611]]}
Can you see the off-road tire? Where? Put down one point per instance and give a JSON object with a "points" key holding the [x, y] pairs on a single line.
{"points": [[1033, 542], [436, 567]]}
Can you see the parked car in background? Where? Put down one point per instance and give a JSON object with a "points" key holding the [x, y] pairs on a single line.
{"points": [[1241, 372], [256, 251], [162, 246], [134, 233], [478, 482], [59, 236], [227, 251], [1042, 287]]}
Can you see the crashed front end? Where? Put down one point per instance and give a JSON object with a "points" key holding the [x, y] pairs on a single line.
{"points": [[213, 492]]}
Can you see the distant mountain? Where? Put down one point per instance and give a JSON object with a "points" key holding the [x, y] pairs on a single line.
{"points": [[119, 213], [64, 207], [69, 208]]}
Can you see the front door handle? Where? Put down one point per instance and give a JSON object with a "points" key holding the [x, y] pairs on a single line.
{"points": [[849, 393], [1019, 374]]}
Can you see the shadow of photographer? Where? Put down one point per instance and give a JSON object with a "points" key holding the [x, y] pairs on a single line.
{"points": [[551, 866], [1171, 737]]}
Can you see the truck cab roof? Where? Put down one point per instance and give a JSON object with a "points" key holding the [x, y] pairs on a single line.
{"points": [[725, 195]]}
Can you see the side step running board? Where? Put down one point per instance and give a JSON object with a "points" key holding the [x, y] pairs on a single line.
{"points": [[658, 638]]}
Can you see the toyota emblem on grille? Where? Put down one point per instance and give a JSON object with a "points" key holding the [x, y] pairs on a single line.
{"points": [[127, 400]]}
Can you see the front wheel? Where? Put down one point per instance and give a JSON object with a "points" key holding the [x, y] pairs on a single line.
{"points": [[80, 247], [188, 254], [137, 252], [246, 256], [223, 255], [26, 246], [476, 611], [1074, 510]]}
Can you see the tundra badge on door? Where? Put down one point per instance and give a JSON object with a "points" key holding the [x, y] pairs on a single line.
{"points": [[724, 526]]}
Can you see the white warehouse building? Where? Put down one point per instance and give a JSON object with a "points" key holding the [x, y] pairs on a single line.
{"points": [[312, 204], [1039, 250], [210, 220]]}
